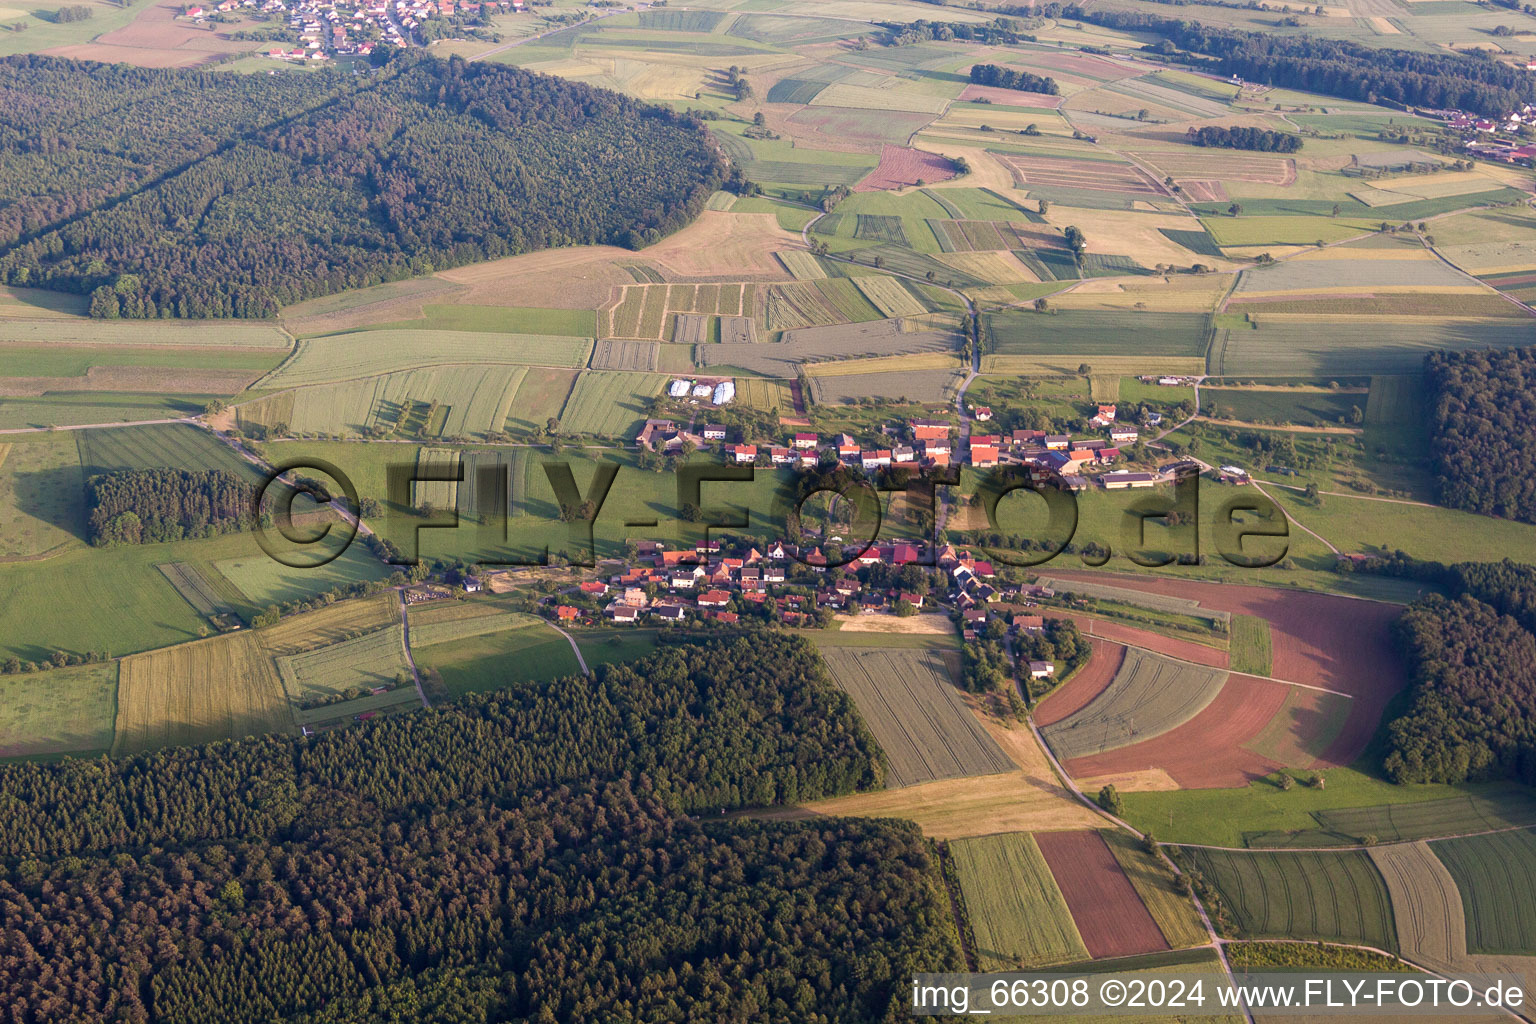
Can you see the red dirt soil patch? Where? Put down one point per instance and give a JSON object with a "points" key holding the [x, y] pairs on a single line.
{"points": [[1011, 97], [903, 166], [1207, 751], [1203, 191], [1109, 915], [1079, 691], [1131, 636], [1343, 644]]}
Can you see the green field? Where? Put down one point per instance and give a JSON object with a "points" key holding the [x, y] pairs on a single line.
{"points": [[373, 659], [63, 710], [1148, 696], [1500, 808], [1395, 399], [1324, 346], [1497, 878], [609, 403], [474, 399], [494, 660], [438, 630], [1091, 332], [357, 354], [111, 334], [1251, 652], [1017, 913], [1302, 408], [41, 495], [66, 408], [1332, 897], [264, 581], [166, 445], [61, 360]]}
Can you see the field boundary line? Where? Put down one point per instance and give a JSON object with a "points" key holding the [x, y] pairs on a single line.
{"points": [[1229, 671], [1342, 849], [405, 642]]}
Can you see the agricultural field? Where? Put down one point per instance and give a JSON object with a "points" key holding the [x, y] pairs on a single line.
{"points": [[1105, 906], [809, 345], [340, 357], [610, 403], [1017, 913], [1149, 696], [437, 473], [1304, 345], [59, 711], [264, 581], [472, 400], [1306, 407], [157, 446], [1332, 897], [1154, 882], [890, 296], [194, 589], [898, 385], [361, 663], [41, 497], [494, 660], [629, 355], [220, 688], [816, 303], [1496, 875], [1155, 602], [1030, 342], [1251, 649], [114, 334], [908, 699], [441, 623]]}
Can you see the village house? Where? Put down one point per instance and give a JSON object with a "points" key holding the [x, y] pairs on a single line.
{"points": [[714, 432], [804, 441], [1041, 669], [744, 453], [567, 613]]}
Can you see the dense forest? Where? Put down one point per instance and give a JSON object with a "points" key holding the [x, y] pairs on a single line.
{"points": [[1483, 418], [1239, 137], [1333, 67], [189, 194], [1473, 711], [152, 506], [600, 903], [747, 721], [1012, 78]]}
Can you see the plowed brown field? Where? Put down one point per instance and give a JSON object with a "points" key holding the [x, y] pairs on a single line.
{"points": [[1091, 680], [1341, 644], [1207, 751], [1109, 915], [1131, 636]]}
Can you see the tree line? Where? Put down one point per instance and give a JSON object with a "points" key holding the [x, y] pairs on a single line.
{"points": [[153, 506], [751, 720], [1482, 411], [1332, 67], [193, 195], [1263, 140], [1012, 78]]}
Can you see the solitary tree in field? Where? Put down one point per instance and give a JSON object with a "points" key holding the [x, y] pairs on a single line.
{"points": [[1235, 209], [1336, 209], [1042, 304], [1045, 207]]}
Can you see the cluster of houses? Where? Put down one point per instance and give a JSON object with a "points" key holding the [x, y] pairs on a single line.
{"points": [[328, 28], [927, 444], [1482, 135], [703, 583]]}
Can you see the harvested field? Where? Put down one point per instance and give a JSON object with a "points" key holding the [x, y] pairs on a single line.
{"points": [[903, 385], [1335, 897], [1075, 173], [1310, 276], [1339, 644], [331, 624], [744, 243], [371, 660], [574, 278], [925, 624], [1148, 697], [1199, 190], [1083, 688], [610, 403], [370, 353], [1109, 914], [1208, 751], [993, 236], [913, 362], [738, 330], [1202, 163], [1496, 875], [629, 355], [690, 329], [154, 334], [850, 129], [221, 688], [909, 700], [169, 380], [877, 338], [1016, 911], [801, 265], [193, 588], [890, 296], [903, 166], [63, 710], [1008, 97], [991, 267]]}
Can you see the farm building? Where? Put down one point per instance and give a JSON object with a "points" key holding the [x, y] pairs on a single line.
{"points": [[1124, 479], [714, 432], [1041, 669]]}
